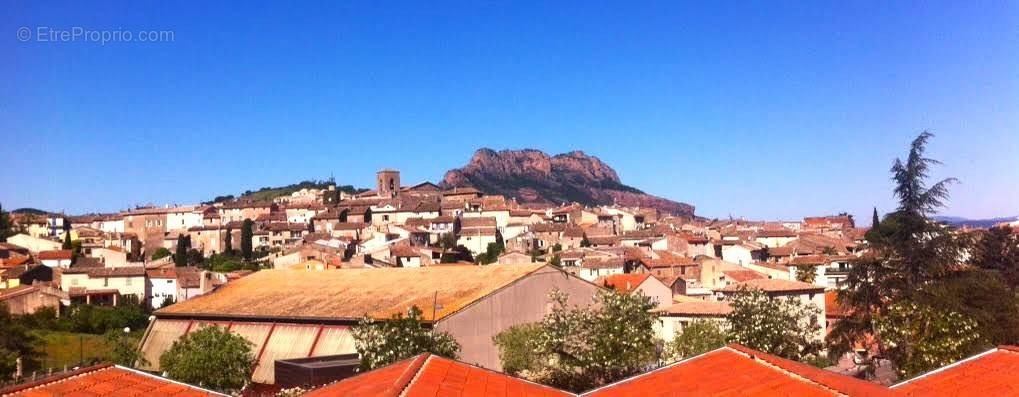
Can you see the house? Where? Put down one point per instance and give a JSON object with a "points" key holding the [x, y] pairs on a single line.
{"points": [[775, 238], [646, 284], [426, 374], [161, 283], [476, 233], [284, 312], [593, 267], [110, 256], [741, 253], [106, 380], [991, 373], [102, 285], [58, 259], [26, 299], [674, 318], [736, 370]]}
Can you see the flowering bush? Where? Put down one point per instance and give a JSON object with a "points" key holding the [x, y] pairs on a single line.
{"points": [[381, 343], [920, 338]]}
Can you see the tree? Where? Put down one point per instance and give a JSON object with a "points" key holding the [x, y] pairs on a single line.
{"points": [[555, 260], [15, 342], [698, 337], [998, 250], [806, 273], [921, 338], [6, 226], [195, 257], [875, 221], [380, 343], [907, 252], [210, 357], [578, 348], [515, 351], [780, 326], [180, 256], [67, 241], [228, 244], [246, 235], [123, 350], [584, 242], [160, 253]]}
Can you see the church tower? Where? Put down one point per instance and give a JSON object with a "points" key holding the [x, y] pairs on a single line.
{"points": [[388, 183]]}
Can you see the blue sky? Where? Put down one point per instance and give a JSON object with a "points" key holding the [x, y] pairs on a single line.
{"points": [[767, 110]]}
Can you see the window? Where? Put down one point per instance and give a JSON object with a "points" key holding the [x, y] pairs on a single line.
{"points": [[127, 281]]}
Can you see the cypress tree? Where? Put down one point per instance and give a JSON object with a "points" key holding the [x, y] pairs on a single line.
{"points": [[246, 235], [67, 241], [180, 257], [875, 222], [228, 247]]}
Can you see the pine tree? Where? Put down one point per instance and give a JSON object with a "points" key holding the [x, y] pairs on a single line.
{"points": [[67, 241], [909, 256], [875, 221]]}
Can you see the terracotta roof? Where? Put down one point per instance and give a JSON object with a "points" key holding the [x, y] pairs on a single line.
{"points": [[602, 263], [429, 375], [347, 294], [697, 308], [992, 373], [477, 222], [623, 282], [735, 370], [95, 272], [403, 251], [773, 285], [56, 255], [106, 380], [744, 275]]}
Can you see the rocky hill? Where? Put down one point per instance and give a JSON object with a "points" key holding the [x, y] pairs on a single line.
{"points": [[533, 176]]}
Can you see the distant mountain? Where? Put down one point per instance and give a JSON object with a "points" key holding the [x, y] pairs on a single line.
{"points": [[980, 223], [532, 176]]}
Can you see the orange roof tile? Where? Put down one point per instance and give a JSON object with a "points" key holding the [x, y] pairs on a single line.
{"points": [[772, 285], [992, 373], [623, 282], [58, 254], [429, 376], [735, 370], [106, 380]]}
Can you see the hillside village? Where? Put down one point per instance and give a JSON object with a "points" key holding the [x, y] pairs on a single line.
{"points": [[320, 260]]}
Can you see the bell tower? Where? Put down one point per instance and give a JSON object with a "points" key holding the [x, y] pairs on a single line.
{"points": [[388, 183]]}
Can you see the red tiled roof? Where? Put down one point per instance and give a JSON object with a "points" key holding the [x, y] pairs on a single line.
{"points": [[429, 375], [105, 380], [772, 285], [735, 370], [623, 282], [58, 255], [992, 373], [744, 275]]}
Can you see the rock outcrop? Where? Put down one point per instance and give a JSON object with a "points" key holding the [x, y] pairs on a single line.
{"points": [[532, 176]]}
